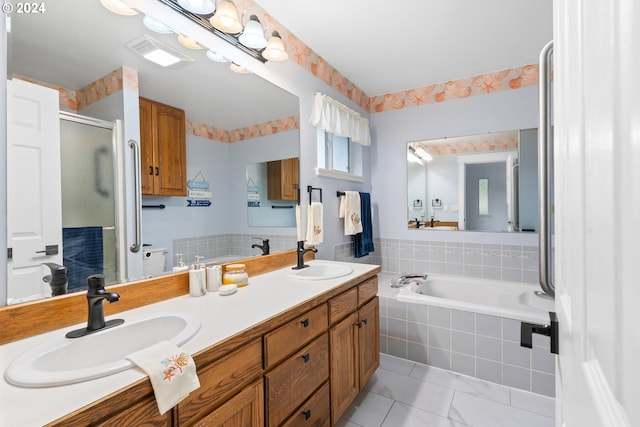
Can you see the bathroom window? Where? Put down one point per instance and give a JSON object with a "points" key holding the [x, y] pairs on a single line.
{"points": [[483, 196], [339, 157]]}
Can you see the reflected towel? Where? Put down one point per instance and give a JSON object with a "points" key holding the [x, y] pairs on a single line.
{"points": [[350, 211], [82, 254], [363, 242], [171, 370], [315, 226]]}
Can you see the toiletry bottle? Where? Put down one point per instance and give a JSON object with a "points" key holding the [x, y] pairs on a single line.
{"points": [[197, 279], [180, 266], [214, 278]]}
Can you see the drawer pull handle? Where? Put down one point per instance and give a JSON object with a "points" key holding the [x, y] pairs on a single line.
{"points": [[150, 170], [306, 357], [359, 324], [307, 414], [305, 323], [157, 171], [364, 321]]}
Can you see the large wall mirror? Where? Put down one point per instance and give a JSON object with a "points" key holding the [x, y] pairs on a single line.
{"points": [[75, 44], [482, 182]]}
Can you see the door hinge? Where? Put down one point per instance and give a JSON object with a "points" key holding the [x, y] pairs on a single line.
{"points": [[551, 330]]}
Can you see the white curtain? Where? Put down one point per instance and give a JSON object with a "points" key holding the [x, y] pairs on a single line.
{"points": [[337, 118]]}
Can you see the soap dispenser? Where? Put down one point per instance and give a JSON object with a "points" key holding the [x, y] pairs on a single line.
{"points": [[57, 279], [180, 266], [197, 279]]}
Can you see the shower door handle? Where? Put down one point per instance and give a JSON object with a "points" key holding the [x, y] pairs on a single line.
{"points": [[135, 247], [545, 172]]}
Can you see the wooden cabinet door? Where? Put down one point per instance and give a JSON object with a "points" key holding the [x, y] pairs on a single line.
{"points": [[170, 155], [146, 146], [345, 383], [290, 178], [246, 409], [368, 340]]}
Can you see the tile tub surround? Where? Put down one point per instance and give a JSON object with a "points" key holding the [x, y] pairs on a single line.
{"points": [[513, 263], [221, 245], [403, 393], [474, 344]]}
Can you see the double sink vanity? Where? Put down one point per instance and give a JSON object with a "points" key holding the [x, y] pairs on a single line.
{"points": [[290, 349]]}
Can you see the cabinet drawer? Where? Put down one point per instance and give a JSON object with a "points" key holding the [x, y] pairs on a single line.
{"points": [[290, 337], [343, 305], [315, 412], [222, 379], [291, 383], [367, 290]]}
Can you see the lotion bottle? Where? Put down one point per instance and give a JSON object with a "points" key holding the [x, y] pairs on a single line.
{"points": [[197, 279]]}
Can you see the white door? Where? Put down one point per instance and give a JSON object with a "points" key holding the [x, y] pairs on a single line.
{"points": [[34, 210], [597, 192]]}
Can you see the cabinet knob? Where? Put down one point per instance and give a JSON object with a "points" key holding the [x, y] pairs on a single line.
{"points": [[364, 321], [307, 414], [306, 357], [305, 323], [359, 324]]}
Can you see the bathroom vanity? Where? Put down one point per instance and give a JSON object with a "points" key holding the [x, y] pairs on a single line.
{"points": [[279, 352]]}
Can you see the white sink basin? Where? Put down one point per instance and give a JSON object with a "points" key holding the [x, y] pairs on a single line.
{"points": [[441, 227], [62, 360], [320, 271]]}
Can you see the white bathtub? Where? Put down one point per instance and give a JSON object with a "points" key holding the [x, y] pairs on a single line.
{"points": [[498, 298]]}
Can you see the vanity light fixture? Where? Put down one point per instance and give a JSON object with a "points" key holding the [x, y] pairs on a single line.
{"points": [[119, 7], [253, 35], [275, 50], [201, 7], [188, 42], [226, 18], [236, 68], [156, 26], [423, 154], [216, 57]]}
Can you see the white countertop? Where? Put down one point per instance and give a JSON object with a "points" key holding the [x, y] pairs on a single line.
{"points": [[221, 316]]}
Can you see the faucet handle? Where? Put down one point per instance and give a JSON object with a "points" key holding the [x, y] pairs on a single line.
{"points": [[96, 282]]}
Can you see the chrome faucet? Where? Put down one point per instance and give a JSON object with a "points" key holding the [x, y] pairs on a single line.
{"points": [[95, 298], [301, 251], [405, 279], [264, 247]]}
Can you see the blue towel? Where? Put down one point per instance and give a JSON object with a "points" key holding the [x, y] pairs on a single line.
{"points": [[363, 242], [82, 254]]}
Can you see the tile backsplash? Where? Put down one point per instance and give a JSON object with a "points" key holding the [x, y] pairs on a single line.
{"points": [[514, 263]]}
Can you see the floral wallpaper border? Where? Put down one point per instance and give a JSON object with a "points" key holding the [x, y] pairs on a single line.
{"points": [[267, 128], [498, 144]]}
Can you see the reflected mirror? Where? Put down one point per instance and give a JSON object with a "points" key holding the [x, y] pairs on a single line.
{"points": [[78, 48], [272, 193], [482, 182]]}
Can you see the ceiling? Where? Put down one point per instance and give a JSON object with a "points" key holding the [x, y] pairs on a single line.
{"points": [[390, 46]]}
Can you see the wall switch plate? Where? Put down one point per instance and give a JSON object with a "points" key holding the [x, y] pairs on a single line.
{"points": [[454, 208]]}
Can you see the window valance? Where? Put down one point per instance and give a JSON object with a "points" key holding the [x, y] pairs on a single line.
{"points": [[337, 118]]}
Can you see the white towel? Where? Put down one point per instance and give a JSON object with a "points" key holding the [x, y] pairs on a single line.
{"points": [[350, 211], [299, 224], [315, 226], [171, 370]]}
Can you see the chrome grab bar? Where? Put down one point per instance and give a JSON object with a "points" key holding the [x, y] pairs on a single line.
{"points": [[545, 171], [136, 178]]}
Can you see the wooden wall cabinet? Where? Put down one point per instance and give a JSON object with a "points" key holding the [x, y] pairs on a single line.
{"points": [[283, 179], [163, 149]]}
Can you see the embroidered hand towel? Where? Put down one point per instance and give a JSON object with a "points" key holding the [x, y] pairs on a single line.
{"points": [[350, 211], [171, 370], [315, 227]]}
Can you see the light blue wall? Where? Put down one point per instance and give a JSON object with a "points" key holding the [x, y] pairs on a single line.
{"points": [[391, 130]]}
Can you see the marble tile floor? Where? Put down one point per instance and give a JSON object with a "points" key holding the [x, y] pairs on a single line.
{"points": [[403, 393]]}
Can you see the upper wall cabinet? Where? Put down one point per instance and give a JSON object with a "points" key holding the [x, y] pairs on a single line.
{"points": [[283, 179], [163, 149]]}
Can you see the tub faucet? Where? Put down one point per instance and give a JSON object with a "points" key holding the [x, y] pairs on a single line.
{"points": [[95, 298], [264, 247], [405, 279], [301, 251]]}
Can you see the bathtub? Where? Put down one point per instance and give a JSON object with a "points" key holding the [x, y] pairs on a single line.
{"points": [[469, 326], [497, 298]]}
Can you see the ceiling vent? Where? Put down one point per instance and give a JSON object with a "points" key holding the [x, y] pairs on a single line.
{"points": [[157, 52]]}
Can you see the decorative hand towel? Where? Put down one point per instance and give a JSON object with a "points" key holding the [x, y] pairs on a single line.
{"points": [[171, 370], [315, 227], [350, 211], [363, 242], [299, 223]]}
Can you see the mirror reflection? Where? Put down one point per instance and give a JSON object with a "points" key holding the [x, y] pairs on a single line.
{"points": [[84, 53], [272, 192], [484, 182]]}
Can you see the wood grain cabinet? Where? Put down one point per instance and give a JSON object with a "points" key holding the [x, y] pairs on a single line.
{"points": [[355, 345], [245, 409], [163, 149], [283, 179]]}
